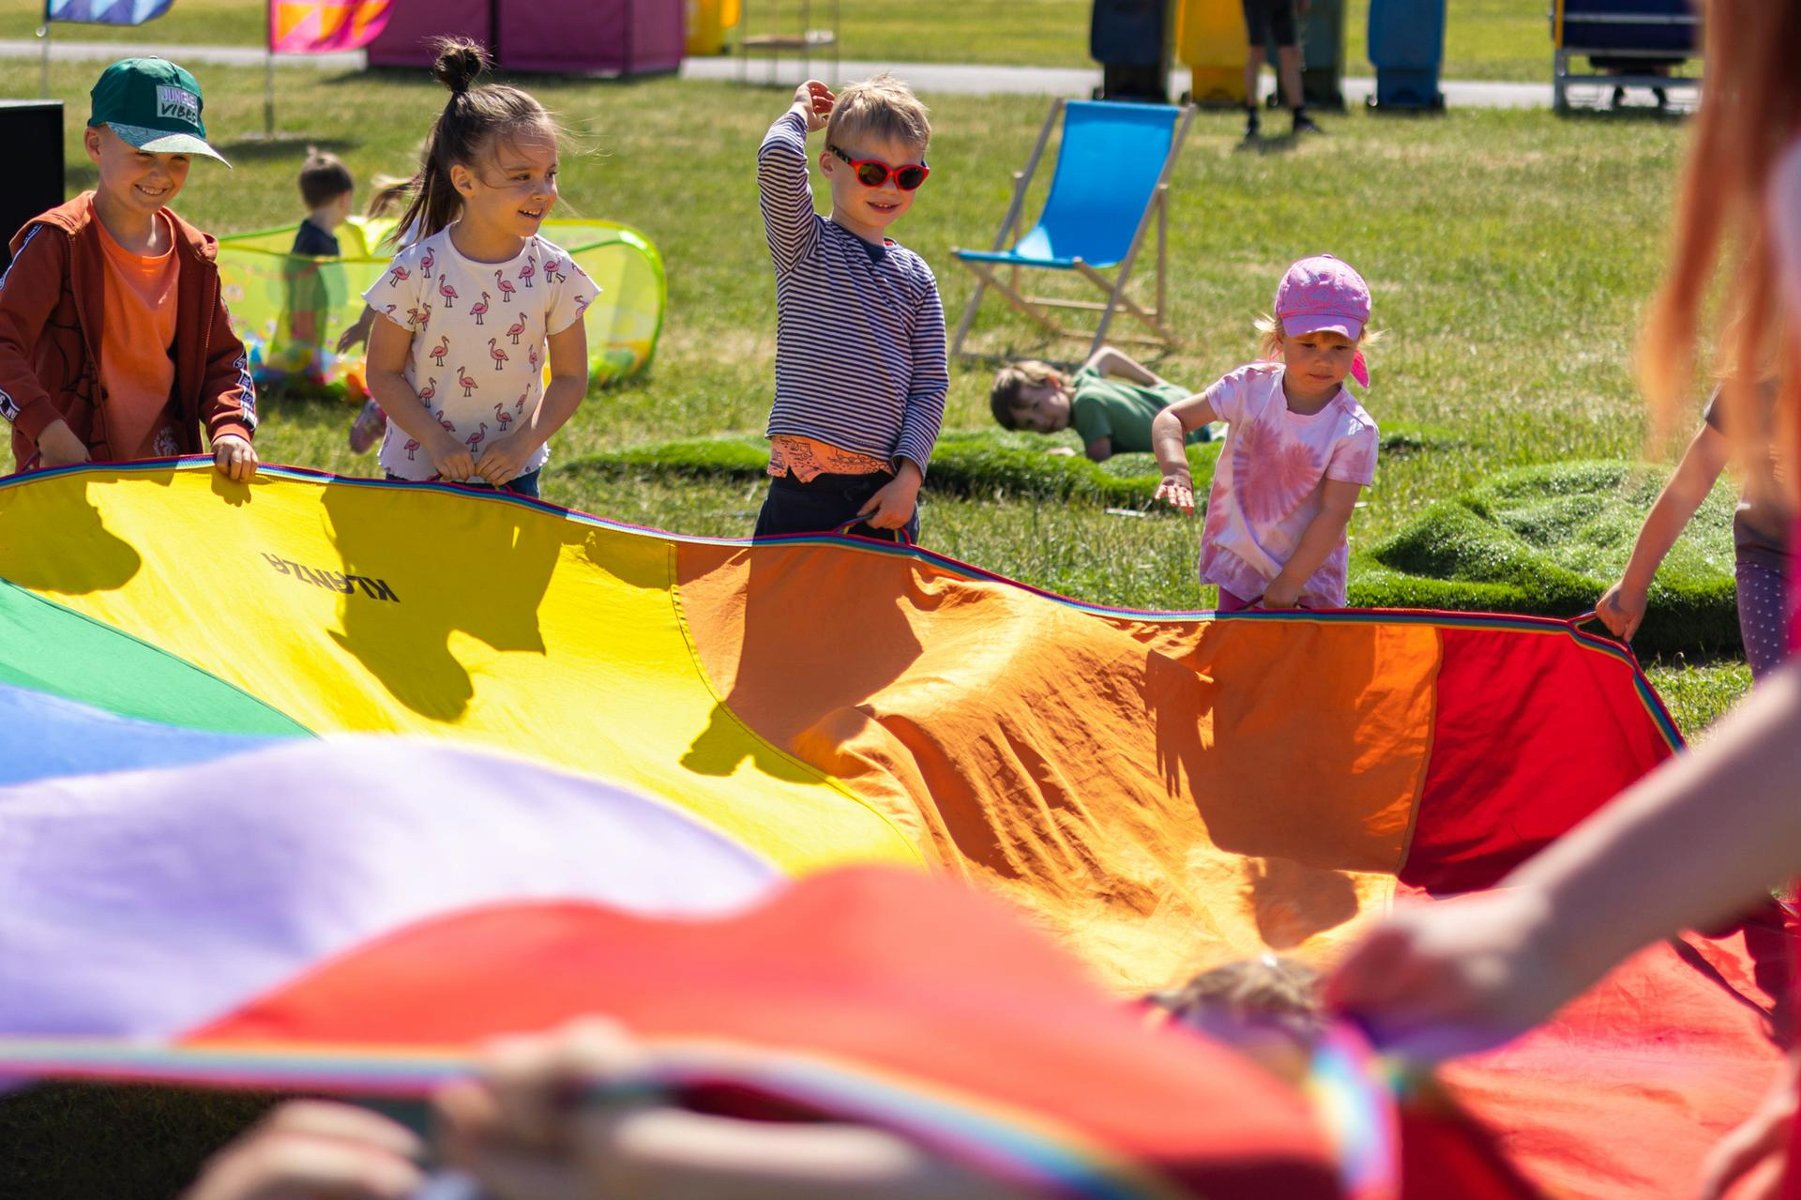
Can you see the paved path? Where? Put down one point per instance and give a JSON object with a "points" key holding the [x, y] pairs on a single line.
{"points": [[789, 70]]}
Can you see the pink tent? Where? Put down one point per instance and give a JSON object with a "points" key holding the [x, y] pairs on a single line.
{"points": [[576, 37], [413, 23], [591, 37]]}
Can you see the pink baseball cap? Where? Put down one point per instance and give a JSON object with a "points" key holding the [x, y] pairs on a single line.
{"points": [[1322, 293]]}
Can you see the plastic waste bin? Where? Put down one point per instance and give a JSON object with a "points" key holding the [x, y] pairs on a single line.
{"points": [[1211, 42], [1407, 48], [1130, 39], [708, 23], [1322, 54]]}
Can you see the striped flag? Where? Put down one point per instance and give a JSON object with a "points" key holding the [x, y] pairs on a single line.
{"points": [[319, 26], [106, 12]]}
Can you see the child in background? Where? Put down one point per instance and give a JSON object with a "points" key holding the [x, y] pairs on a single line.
{"points": [[1267, 1007], [114, 344], [1111, 401], [371, 422], [860, 366], [471, 311], [1760, 550], [326, 189], [1299, 450]]}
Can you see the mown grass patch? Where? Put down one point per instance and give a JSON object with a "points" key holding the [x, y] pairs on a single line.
{"points": [[1548, 540]]}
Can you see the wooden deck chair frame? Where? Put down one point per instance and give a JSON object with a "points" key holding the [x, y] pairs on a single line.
{"points": [[1037, 307]]}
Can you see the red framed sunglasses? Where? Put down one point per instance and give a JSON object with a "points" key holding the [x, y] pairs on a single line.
{"points": [[872, 172]]}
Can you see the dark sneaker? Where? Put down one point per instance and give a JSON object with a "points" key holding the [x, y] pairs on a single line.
{"points": [[1306, 124], [1250, 121], [368, 427]]}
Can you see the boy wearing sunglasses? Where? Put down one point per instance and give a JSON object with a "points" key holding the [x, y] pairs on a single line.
{"points": [[860, 366]]}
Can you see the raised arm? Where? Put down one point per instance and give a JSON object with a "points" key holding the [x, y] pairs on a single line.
{"points": [[783, 189], [1110, 361]]}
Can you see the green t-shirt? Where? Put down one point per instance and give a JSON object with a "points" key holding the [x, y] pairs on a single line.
{"points": [[1109, 407]]}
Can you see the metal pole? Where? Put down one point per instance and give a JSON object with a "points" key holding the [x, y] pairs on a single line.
{"points": [[269, 70]]}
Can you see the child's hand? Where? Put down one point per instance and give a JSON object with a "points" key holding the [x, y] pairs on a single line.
{"points": [[1178, 489], [1281, 593], [815, 100], [1621, 609], [309, 1149], [892, 506], [1062, 451], [504, 459], [357, 334], [451, 459], [234, 458], [59, 447]]}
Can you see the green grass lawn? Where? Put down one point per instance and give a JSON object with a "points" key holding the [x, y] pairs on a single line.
{"points": [[1484, 39]]}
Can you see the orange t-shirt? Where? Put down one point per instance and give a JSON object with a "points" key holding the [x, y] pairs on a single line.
{"points": [[135, 368]]}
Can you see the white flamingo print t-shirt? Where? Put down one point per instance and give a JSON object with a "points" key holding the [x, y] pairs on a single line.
{"points": [[1266, 488], [479, 330]]}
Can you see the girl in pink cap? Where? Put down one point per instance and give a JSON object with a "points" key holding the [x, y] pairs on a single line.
{"points": [[1299, 450]]}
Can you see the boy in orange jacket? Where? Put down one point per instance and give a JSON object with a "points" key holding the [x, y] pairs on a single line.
{"points": [[114, 341]]}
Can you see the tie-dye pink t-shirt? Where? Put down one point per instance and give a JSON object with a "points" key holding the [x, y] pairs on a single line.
{"points": [[1266, 489]]}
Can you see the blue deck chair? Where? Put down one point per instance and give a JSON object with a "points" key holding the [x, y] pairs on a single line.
{"points": [[1618, 35], [1111, 182]]}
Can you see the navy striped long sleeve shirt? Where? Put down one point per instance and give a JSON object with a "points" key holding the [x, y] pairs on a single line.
{"points": [[859, 331]]}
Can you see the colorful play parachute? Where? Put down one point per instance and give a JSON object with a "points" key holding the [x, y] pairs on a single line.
{"points": [[698, 721], [290, 309]]}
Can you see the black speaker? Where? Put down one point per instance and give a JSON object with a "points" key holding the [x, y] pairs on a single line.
{"points": [[32, 132]]}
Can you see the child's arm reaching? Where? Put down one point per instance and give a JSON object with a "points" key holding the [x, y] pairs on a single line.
{"points": [[1323, 534], [506, 456], [389, 346], [783, 190], [358, 333], [1169, 432], [1109, 361], [1622, 606]]}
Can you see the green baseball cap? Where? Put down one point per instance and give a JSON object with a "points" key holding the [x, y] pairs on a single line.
{"points": [[152, 104]]}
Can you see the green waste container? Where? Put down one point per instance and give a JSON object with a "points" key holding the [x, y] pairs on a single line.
{"points": [[1322, 55]]}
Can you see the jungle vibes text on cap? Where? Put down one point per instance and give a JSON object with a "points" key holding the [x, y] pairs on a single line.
{"points": [[153, 105]]}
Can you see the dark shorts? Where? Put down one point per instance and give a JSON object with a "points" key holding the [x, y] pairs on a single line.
{"points": [[827, 504], [518, 485], [1270, 22]]}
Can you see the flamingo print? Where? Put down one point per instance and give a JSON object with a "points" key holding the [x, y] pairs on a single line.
{"points": [[527, 271], [516, 328], [445, 290], [475, 439], [479, 309], [505, 285], [439, 415], [440, 350], [553, 269], [519, 404], [532, 360], [467, 381], [582, 303], [427, 261], [429, 392], [418, 317], [398, 275], [503, 416], [412, 444], [497, 354]]}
